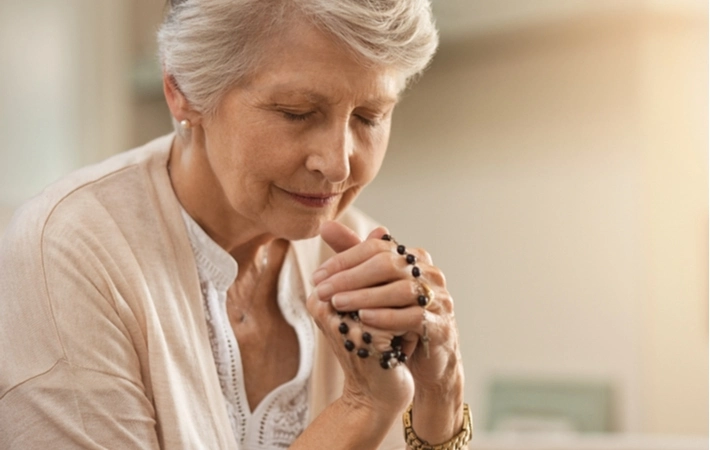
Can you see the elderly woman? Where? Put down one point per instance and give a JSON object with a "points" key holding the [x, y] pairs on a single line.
{"points": [[197, 293]]}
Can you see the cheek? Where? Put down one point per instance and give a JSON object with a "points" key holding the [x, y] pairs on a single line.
{"points": [[368, 163], [237, 167], [367, 168], [240, 153]]}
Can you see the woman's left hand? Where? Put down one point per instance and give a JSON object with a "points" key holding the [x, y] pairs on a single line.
{"points": [[372, 277]]}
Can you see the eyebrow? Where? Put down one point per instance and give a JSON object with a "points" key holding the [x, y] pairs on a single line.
{"points": [[316, 97]]}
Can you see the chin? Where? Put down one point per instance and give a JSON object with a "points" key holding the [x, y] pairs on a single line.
{"points": [[298, 230]]}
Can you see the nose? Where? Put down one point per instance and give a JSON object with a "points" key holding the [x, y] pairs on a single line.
{"points": [[331, 152]]}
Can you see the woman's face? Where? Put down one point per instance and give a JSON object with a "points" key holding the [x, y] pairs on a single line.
{"points": [[296, 144]]}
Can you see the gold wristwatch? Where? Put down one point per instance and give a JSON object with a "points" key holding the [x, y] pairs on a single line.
{"points": [[458, 442]]}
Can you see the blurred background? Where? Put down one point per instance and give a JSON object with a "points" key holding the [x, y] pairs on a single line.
{"points": [[553, 160]]}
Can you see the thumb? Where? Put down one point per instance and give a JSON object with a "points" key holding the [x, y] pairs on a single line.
{"points": [[338, 236], [377, 233]]}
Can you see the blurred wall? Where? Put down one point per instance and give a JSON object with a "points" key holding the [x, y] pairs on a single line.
{"points": [[64, 90], [558, 174]]}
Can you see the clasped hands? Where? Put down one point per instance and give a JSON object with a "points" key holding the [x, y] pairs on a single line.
{"points": [[368, 302]]}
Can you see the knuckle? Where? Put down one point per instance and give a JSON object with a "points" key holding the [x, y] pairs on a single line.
{"points": [[384, 258], [411, 288], [422, 255], [387, 261], [427, 256], [447, 303], [342, 280], [379, 318], [377, 245], [337, 264], [365, 298], [447, 333], [436, 276], [388, 316]]}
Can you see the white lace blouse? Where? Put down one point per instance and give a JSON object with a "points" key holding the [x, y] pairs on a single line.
{"points": [[283, 414]]}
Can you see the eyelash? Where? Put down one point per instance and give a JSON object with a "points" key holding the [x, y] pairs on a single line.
{"points": [[367, 122], [303, 117], [297, 117]]}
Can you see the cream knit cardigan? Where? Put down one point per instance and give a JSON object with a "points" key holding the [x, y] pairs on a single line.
{"points": [[103, 339]]}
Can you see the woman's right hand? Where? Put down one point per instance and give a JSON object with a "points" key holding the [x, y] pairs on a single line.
{"points": [[367, 384]]}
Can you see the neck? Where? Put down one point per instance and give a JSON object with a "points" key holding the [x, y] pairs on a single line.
{"points": [[204, 200]]}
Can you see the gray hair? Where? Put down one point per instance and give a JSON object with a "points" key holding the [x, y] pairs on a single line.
{"points": [[209, 46]]}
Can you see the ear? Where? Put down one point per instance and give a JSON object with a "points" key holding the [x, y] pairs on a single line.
{"points": [[179, 107]]}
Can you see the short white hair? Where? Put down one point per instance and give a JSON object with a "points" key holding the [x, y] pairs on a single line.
{"points": [[210, 46]]}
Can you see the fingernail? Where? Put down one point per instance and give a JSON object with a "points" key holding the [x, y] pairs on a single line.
{"points": [[366, 315], [341, 302], [325, 291], [320, 275]]}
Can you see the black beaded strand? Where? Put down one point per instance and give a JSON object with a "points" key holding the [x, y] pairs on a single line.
{"points": [[343, 329], [349, 345], [391, 358], [402, 250]]}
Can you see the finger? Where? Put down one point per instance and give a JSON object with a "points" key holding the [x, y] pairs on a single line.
{"points": [[359, 342], [338, 236], [364, 375], [421, 255], [412, 318], [377, 233], [379, 269], [320, 311], [403, 319], [352, 257], [356, 337], [382, 340], [397, 294], [386, 346], [359, 253], [410, 341]]}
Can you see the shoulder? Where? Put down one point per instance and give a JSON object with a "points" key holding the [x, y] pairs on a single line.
{"points": [[83, 198], [69, 251], [82, 224]]}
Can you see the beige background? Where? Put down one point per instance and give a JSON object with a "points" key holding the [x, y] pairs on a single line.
{"points": [[554, 160]]}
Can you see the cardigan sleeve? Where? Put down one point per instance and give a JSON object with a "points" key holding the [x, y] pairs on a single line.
{"points": [[70, 376]]}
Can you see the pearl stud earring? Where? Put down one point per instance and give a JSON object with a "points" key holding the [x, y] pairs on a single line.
{"points": [[185, 124]]}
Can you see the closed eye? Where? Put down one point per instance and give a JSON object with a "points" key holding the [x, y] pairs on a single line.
{"points": [[297, 117], [365, 121]]}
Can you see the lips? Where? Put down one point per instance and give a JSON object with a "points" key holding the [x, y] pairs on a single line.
{"points": [[313, 199]]}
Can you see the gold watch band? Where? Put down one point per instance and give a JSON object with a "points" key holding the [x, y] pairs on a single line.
{"points": [[458, 442]]}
